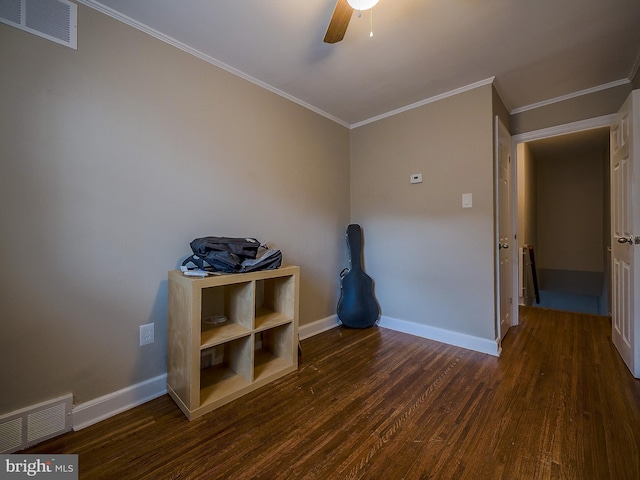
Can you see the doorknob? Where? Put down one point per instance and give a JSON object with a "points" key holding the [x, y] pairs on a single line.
{"points": [[505, 245], [628, 239]]}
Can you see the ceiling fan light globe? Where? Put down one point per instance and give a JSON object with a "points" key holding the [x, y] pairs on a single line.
{"points": [[362, 4]]}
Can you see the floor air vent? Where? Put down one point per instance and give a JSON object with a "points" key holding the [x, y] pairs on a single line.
{"points": [[55, 20], [31, 425]]}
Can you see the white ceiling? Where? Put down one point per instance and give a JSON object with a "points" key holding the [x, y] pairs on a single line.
{"points": [[537, 50]]}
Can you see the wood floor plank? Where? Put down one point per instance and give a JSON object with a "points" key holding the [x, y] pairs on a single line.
{"points": [[377, 404]]}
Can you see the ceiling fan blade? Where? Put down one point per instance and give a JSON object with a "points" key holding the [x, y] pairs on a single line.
{"points": [[339, 22]]}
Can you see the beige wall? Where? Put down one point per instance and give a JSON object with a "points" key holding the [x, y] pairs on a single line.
{"points": [[527, 204], [570, 212], [113, 158], [432, 261]]}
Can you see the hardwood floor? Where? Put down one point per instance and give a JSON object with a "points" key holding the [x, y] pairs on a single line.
{"points": [[378, 404]]}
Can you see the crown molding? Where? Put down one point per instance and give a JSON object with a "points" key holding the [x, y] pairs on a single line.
{"points": [[451, 93], [202, 56], [569, 96], [96, 5]]}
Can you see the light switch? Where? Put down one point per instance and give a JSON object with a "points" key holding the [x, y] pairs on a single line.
{"points": [[467, 200], [415, 178]]}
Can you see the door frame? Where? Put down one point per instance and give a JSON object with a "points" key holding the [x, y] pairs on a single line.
{"points": [[555, 131]]}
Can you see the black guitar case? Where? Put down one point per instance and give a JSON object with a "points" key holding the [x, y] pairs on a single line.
{"points": [[357, 307]]}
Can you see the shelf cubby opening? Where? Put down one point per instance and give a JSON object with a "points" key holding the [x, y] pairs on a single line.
{"points": [[225, 368], [274, 301], [243, 328], [226, 313], [273, 351]]}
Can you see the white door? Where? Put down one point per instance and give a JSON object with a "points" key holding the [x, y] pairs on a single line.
{"points": [[503, 234], [625, 232]]}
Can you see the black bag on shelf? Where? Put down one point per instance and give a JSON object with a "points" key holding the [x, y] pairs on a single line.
{"points": [[232, 255], [243, 247]]}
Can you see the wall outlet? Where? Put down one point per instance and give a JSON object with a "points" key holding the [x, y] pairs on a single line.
{"points": [[146, 334]]}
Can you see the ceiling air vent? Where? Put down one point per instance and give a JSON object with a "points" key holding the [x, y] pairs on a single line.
{"points": [[55, 20]]}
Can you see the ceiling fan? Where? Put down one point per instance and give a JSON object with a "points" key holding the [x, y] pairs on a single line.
{"points": [[341, 16]]}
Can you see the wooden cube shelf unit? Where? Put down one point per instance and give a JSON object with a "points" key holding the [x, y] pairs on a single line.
{"points": [[230, 334]]}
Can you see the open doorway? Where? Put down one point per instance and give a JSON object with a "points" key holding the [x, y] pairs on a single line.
{"points": [[564, 214]]}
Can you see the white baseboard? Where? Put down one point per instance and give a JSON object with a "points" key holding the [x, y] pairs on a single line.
{"points": [[482, 345], [94, 411], [319, 326]]}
